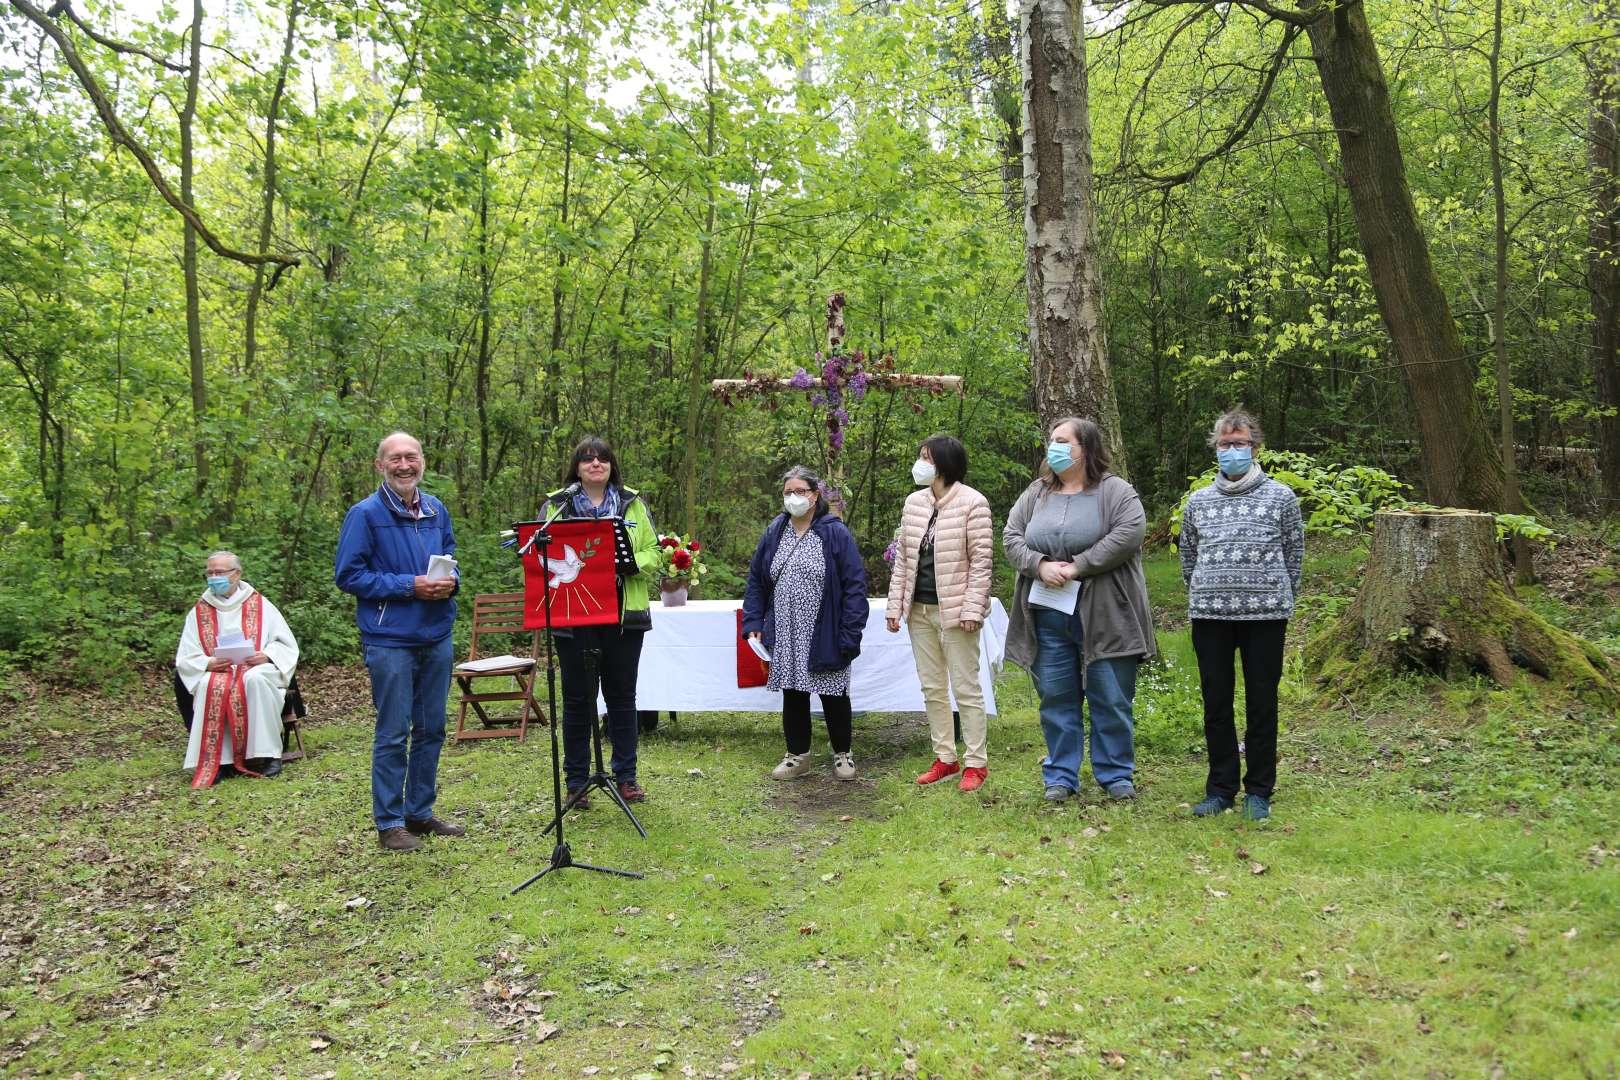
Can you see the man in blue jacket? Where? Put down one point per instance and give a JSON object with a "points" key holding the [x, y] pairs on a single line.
{"points": [[405, 619]]}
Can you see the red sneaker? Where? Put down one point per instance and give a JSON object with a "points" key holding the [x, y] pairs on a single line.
{"points": [[972, 779], [939, 770]]}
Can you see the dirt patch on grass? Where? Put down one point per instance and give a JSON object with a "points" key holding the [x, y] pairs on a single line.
{"points": [[881, 739]]}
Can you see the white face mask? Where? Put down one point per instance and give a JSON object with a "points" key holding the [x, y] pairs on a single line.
{"points": [[922, 472], [796, 505]]}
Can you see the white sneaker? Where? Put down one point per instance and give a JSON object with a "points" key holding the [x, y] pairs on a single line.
{"points": [[793, 766], [844, 766]]}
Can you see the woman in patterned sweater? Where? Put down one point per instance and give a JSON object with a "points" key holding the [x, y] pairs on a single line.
{"points": [[1242, 550]]}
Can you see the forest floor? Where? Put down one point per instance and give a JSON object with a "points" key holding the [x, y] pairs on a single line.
{"points": [[1438, 895]]}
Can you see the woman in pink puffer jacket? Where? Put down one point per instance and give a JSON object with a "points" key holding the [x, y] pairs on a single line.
{"points": [[940, 589]]}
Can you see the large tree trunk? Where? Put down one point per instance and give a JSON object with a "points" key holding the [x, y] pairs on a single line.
{"points": [[1434, 599], [1069, 355], [1603, 262], [1460, 464]]}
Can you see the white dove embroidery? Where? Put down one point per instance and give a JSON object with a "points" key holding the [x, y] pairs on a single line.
{"points": [[564, 572]]}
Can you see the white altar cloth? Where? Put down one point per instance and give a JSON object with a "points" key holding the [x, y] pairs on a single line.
{"points": [[689, 663]]}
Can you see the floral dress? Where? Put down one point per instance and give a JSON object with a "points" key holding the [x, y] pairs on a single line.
{"points": [[799, 570]]}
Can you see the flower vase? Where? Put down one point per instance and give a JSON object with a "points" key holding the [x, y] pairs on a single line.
{"points": [[674, 592]]}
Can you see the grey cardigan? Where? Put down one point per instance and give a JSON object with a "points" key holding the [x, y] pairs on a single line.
{"points": [[1113, 600]]}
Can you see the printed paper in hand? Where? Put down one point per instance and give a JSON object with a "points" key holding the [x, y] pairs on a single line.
{"points": [[759, 649], [441, 566], [1061, 599], [233, 647]]}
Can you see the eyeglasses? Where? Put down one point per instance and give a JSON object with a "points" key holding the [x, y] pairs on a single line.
{"points": [[1233, 444], [796, 491], [591, 455]]}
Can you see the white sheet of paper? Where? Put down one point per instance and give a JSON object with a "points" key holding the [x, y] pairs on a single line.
{"points": [[1061, 599], [493, 663], [233, 647], [441, 566], [759, 649]]}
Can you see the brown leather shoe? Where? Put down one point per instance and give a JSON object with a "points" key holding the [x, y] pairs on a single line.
{"points": [[583, 802], [435, 826], [397, 839], [630, 791]]}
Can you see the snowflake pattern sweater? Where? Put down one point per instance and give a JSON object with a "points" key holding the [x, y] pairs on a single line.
{"points": [[1242, 549]]}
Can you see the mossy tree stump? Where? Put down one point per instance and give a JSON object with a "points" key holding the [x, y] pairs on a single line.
{"points": [[1434, 598]]}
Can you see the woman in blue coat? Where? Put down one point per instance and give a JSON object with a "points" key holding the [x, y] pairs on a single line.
{"points": [[806, 604]]}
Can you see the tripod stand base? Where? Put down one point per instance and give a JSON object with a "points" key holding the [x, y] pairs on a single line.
{"points": [[597, 780], [563, 859]]}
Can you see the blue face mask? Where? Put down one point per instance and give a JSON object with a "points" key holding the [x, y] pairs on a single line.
{"points": [[220, 586], [1236, 461], [1059, 456]]}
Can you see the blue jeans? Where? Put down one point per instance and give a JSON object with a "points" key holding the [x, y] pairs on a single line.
{"points": [[408, 687], [1110, 690]]}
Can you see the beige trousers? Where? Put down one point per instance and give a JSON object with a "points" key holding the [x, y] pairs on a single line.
{"points": [[948, 660]]}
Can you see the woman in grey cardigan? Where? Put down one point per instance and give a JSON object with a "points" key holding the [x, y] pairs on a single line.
{"points": [[1242, 551], [1079, 528]]}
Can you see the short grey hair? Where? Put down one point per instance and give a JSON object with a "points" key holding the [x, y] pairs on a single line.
{"points": [[231, 555], [1232, 420]]}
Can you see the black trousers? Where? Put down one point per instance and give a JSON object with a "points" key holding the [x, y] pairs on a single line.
{"points": [[796, 720], [1261, 644], [613, 661]]}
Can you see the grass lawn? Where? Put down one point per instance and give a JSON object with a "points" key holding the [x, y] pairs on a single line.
{"points": [[1437, 895]]}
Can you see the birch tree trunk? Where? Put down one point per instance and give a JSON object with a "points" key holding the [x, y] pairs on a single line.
{"points": [[1068, 353]]}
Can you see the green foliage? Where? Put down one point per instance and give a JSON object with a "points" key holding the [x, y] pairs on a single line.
{"points": [[1341, 500], [503, 213]]}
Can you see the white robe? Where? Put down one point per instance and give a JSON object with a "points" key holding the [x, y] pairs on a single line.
{"points": [[263, 685]]}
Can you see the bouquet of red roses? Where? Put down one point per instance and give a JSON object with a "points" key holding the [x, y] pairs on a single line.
{"points": [[680, 558]]}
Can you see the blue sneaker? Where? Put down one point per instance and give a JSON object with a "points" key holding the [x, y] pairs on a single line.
{"points": [[1057, 793], [1212, 805], [1256, 807]]}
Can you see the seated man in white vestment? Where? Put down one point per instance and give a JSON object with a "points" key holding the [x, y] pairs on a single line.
{"points": [[236, 657]]}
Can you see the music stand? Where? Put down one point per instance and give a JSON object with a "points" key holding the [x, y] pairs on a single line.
{"points": [[561, 857]]}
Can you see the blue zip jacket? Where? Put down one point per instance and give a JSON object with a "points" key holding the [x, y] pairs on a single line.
{"points": [[842, 616], [381, 550]]}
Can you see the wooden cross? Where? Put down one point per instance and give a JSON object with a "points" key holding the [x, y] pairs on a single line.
{"points": [[862, 382]]}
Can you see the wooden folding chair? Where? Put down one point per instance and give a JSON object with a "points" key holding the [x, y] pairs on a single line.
{"points": [[499, 613]]}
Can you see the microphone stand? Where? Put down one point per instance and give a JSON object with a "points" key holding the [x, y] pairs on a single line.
{"points": [[561, 857]]}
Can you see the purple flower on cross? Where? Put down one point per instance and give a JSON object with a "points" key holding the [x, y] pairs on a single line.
{"points": [[802, 380]]}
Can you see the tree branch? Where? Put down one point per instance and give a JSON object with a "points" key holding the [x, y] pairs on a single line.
{"points": [[65, 7], [1245, 123], [121, 136]]}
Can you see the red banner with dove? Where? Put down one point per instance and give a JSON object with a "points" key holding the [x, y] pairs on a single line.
{"points": [[577, 572]]}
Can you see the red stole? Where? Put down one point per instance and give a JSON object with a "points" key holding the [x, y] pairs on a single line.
{"points": [[225, 701]]}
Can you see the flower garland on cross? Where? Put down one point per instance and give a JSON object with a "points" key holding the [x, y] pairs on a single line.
{"points": [[845, 379]]}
